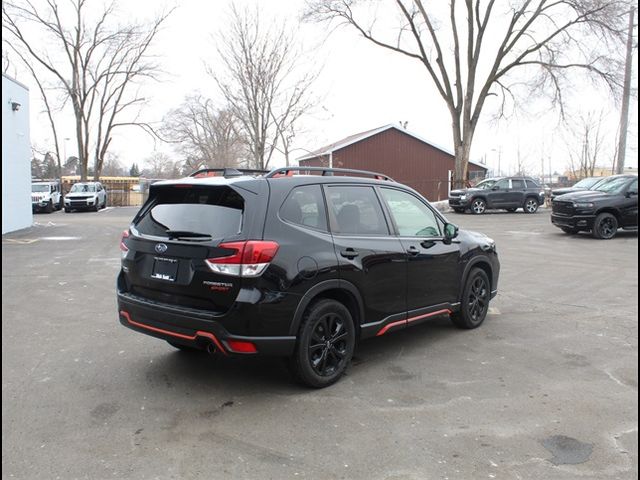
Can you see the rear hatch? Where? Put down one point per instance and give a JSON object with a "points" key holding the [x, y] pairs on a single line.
{"points": [[178, 236]]}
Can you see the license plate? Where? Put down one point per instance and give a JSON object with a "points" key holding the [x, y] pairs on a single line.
{"points": [[165, 269]]}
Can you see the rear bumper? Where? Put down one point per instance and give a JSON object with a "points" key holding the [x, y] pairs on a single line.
{"points": [[580, 222], [186, 327]]}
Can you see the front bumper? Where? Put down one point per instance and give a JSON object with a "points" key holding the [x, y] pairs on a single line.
{"points": [[578, 222], [193, 328], [457, 202]]}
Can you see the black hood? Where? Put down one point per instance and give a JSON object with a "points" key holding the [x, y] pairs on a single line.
{"points": [[563, 191], [585, 196]]}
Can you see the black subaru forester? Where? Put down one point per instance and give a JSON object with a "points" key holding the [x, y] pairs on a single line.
{"points": [[298, 262]]}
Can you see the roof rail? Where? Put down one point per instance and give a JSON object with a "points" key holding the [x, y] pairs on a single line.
{"points": [[227, 172], [288, 171]]}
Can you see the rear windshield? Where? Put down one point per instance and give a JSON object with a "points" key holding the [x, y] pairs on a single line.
{"points": [[213, 211]]}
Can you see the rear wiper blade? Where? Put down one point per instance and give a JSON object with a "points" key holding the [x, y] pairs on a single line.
{"points": [[178, 234]]}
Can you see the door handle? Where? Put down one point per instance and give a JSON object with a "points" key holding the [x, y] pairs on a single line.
{"points": [[413, 251], [349, 253]]}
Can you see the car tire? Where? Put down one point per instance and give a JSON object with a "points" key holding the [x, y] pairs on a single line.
{"points": [[474, 304], [50, 207], [478, 206], [96, 207], [569, 230], [326, 341], [67, 209], [511, 210], [605, 226], [458, 210], [184, 348], [531, 205]]}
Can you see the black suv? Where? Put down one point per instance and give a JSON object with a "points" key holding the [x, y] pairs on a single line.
{"points": [[611, 204], [508, 193], [301, 266]]}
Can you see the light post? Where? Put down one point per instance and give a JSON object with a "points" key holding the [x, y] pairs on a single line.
{"points": [[65, 148]]}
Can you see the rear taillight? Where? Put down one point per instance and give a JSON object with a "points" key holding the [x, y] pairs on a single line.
{"points": [[249, 259], [123, 247]]}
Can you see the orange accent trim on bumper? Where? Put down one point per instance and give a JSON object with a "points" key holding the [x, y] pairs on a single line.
{"points": [[192, 338], [384, 329]]}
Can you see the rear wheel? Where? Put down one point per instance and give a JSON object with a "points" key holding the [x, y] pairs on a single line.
{"points": [[478, 206], [605, 226], [475, 301], [326, 341], [531, 205]]}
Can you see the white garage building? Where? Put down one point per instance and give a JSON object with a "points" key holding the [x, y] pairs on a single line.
{"points": [[16, 156]]}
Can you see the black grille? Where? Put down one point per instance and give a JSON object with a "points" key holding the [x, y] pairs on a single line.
{"points": [[563, 208]]}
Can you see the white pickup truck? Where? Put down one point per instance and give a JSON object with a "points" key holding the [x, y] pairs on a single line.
{"points": [[46, 197]]}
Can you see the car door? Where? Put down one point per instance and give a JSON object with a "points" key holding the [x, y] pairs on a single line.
{"points": [[433, 264], [630, 206], [369, 256], [497, 197], [516, 193]]}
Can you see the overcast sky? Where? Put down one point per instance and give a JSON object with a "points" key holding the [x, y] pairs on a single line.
{"points": [[362, 87]]}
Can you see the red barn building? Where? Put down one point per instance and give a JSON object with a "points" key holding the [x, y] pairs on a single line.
{"points": [[398, 153]]}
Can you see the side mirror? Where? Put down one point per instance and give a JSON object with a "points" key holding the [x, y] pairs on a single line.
{"points": [[450, 232]]}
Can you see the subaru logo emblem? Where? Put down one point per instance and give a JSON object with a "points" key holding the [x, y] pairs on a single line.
{"points": [[161, 248]]}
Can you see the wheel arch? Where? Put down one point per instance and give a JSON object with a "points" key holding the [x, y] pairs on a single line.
{"points": [[613, 211], [479, 262], [339, 290]]}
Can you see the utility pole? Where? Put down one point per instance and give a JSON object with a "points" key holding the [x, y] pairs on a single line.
{"points": [[626, 94]]}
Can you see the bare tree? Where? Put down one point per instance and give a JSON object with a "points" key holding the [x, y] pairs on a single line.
{"points": [[97, 63], [586, 145], [543, 39], [204, 134], [112, 166], [262, 79], [160, 165]]}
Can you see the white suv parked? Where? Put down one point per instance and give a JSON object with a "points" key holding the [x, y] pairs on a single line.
{"points": [[46, 196], [85, 196]]}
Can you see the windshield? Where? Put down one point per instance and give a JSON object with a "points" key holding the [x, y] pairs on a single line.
{"points": [[83, 187], [612, 185], [486, 184], [587, 182], [40, 188]]}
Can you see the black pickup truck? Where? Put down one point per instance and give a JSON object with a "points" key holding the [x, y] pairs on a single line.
{"points": [[610, 205]]}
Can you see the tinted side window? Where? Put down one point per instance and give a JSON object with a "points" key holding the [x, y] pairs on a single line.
{"points": [[356, 211], [305, 206], [517, 184], [412, 217], [502, 184], [532, 184]]}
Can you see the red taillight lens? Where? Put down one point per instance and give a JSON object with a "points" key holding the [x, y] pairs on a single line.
{"points": [[125, 235], [249, 259], [238, 346]]}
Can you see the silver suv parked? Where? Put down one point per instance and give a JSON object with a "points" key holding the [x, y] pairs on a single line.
{"points": [[85, 196]]}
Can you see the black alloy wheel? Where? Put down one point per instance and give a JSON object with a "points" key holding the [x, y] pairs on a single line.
{"points": [[325, 344], [605, 226], [475, 301]]}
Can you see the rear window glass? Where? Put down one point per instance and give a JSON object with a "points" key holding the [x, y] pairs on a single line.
{"points": [[357, 211], [517, 184], [305, 206], [213, 211], [532, 184]]}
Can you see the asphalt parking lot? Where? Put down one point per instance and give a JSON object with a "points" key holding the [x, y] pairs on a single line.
{"points": [[545, 389]]}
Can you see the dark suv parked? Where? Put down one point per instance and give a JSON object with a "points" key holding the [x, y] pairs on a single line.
{"points": [[301, 266], [611, 204], [507, 193]]}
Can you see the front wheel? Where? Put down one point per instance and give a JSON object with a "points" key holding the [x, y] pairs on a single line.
{"points": [[326, 342], [475, 301], [67, 209], [605, 226], [478, 206], [50, 207], [531, 205]]}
